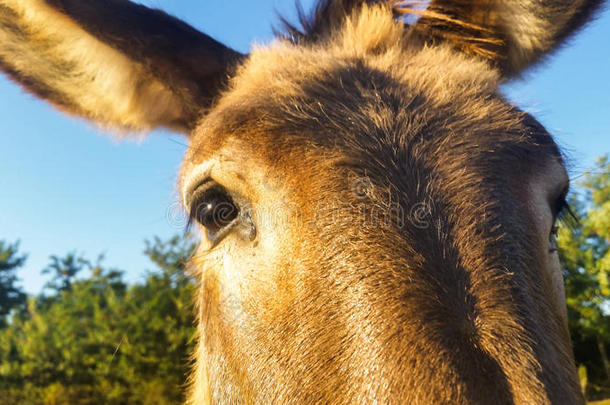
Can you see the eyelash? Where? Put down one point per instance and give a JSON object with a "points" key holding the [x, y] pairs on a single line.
{"points": [[189, 224], [565, 215]]}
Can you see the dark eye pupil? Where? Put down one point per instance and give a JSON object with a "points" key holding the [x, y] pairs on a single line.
{"points": [[214, 210]]}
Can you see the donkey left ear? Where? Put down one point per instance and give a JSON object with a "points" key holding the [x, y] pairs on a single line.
{"points": [[511, 34], [113, 61]]}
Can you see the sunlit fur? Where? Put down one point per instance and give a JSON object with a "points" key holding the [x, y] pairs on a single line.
{"points": [[57, 60], [315, 116], [511, 34], [402, 206]]}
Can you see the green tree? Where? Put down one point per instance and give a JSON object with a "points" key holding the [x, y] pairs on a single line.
{"points": [[97, 340], [64, 271], [159, 338], [585, 254], [11, 296]]}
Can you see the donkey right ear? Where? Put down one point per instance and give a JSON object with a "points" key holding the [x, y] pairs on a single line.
{"points": [[510, 34], [114, 62]]}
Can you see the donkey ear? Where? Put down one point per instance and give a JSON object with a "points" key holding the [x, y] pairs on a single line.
{"points": [[114, 62], [511, 34]]}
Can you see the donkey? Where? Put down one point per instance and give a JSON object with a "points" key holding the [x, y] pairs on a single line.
{"points": [[377, 221]]}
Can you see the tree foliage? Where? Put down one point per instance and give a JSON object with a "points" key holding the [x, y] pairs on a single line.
{"points": [[64, 271], [97, 340], [585, 255], [11, 295]]}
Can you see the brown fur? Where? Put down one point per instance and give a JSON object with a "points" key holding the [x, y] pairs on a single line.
{"points": [[385, 284], [402, 206], [88, 61], [512, 35]]}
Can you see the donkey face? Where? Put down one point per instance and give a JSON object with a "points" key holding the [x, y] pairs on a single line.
{"points": [[376, 219]]}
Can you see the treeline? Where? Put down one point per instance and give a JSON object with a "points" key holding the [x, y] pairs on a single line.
{"points": [[91, 338], [584, 250]]}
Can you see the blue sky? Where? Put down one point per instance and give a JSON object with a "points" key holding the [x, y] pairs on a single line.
{"points": [[69, 186]]}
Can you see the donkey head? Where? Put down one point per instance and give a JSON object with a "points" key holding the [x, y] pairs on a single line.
{"points": [[377, 220]]}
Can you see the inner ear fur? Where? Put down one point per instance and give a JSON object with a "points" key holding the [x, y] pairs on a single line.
{"points": [[510, 34], [114, 62]]}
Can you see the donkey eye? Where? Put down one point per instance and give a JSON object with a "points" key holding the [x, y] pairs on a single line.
{"points": [[563, 215], [553, 247], [214, 209]]}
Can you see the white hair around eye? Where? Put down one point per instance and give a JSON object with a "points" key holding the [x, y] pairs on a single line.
{"points": [[194, 177]]}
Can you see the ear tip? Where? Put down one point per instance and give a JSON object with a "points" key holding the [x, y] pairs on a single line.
{"points": [[512, 38]]}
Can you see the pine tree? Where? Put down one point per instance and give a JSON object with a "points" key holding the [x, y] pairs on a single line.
{"points": [[11, 295]]}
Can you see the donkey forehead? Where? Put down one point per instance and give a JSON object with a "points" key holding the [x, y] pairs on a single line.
{"points": [[428, 104]]}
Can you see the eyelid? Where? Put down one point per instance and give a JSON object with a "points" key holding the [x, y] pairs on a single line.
{"points": [[560, 203], [198, 176], [200, 189], [563, 212]]}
